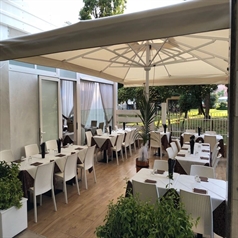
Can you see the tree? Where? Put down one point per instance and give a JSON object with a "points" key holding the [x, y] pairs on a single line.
{"points": [[101, 8]]}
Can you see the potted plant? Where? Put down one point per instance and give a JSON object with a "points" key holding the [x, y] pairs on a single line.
{"points": [[129, 217], [13, 207], [147, 116]]}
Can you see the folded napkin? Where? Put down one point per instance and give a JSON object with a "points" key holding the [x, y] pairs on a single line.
{"points": [[18, 161], [51, 160], [184, 148], [65, 146], [181, 155], [158, 171], [198, 190], [60, 155], [111, 136], [36, 164], [150, 181], [59, 145], [72, 153], [203, 179], [205, 150], [78, 148], [205, 144], [206, 158]]}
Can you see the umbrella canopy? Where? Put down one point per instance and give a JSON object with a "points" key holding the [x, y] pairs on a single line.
{"points": [[186, 43]]}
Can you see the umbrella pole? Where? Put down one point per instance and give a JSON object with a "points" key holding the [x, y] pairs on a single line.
{"points": [[147, 70]]}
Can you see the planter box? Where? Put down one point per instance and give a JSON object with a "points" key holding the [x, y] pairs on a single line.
{"points": [[13, 220], [141, 164]]}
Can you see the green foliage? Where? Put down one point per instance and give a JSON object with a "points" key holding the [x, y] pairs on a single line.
{"points": [[147, 116], [213, 100], [10, 186], [222, 106], [129, 218], [101, 8]]}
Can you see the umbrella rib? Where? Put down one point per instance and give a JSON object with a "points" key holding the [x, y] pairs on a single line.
{"points": [[158, 50]]}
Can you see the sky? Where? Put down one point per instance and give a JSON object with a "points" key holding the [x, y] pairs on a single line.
{"points": [[61, 11]]}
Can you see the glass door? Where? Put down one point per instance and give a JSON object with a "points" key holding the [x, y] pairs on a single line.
{"points": [[50, 108]]}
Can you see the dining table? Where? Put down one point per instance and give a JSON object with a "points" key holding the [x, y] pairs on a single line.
{"points": [[184, 158], [28, 166], [200, 137], [215, 188]]}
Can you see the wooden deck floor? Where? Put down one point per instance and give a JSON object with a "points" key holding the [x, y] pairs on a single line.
{"points": [[86, 211]]}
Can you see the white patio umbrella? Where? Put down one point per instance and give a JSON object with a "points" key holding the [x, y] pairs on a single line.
{"points": [[187, 43]]}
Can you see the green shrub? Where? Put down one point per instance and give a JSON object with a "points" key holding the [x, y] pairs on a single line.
{"points": [[222, 106], [10, 186], [129, 218]]}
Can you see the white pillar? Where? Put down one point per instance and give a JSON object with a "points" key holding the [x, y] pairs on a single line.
{"points": [[163, 113]]}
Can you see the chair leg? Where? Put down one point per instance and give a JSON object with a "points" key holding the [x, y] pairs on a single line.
{"points": [[125, 152], [40, 199], [130, 150], [65, 193], [53, 197], [122, 154], [94, 173], [85, 178], [117, 157], [35, 208], [77, 184]]}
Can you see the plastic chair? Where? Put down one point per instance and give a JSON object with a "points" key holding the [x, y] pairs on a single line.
{"points": [[43, 182], [174, 147], [101, 125], [199, 206], [155, 141], [202, 170], [190, 131], [211, 139], [51, 145], [6, 155], [88, 163], [132, 138], [126, 143], [145, 191], [211, 132], [177, 141], [32, 149], [99, 132], [186, 137], [118, 147], [89, 136], [170, 152], [70, 172], [161, 164], [215, 155], [94, 123]]}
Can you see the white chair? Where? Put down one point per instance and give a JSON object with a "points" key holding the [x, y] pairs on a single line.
{"points": [[126, 143], [145, 191], [170, 152], [203, 171], [132, 138], [199, 206], [70, 172], [118, 147], [155, 141], [116, 127], [186, 137], [99, 132], [88, 163], [174, 147], [190, 131], [177, 141], [89, 136], [43, 183], [6, 155], [211, 132], [210, 139], [32, 149], [161, 164], [51, 145], [215, 156]]}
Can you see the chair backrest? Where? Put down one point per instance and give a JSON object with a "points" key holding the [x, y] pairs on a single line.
{"points": [[116, 127], [186, 137], [199, 206], [155, 139], [170, 152], [132, 136], [51, 145], [32, 149], [215, 155], [89, 157], [211, 132], [70, 170], [119, 141], [99, 131], [177, 141], [203, 171], [94, 123], [161, 164], [6, 155], [211, 139], [145, 191], [43, 181], [174, 147], [89, 136], [190, 130], [101, 125], [127, 139]]}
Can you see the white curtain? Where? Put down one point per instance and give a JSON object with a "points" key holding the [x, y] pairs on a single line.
{"points": [[67, 97], [106, 91]]}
